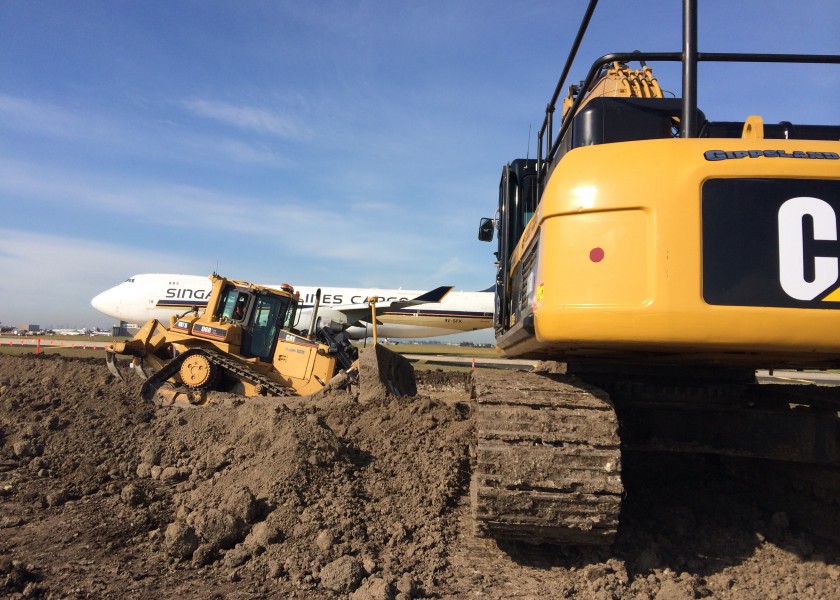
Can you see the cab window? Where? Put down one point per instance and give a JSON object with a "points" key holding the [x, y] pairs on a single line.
{"points": [[290, 316], [234, 305], [270, 313]]}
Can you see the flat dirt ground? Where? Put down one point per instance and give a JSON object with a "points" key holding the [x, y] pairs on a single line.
{"points": [[105, 496]]}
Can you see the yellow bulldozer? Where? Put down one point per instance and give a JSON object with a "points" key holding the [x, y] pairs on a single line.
{"points": [[246, 343], [665, 257]]}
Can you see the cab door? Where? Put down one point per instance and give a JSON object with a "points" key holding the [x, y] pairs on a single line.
{"points": [[517, 205]]}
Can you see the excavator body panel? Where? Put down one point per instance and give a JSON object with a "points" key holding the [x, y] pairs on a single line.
{"points": [[703, 249]]}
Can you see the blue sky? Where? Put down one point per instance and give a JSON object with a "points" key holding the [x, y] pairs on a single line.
{"points": [[319, 143]]}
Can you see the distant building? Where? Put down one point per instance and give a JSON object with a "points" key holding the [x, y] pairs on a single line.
{"points": [[29, 328], [122, 329]]}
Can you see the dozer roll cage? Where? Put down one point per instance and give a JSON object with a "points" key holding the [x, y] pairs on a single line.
{"points": [[549, 146]]}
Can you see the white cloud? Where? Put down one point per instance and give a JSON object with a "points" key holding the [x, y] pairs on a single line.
{"points": [[159, 203], [57, 276], [41, 117], [298, 233], [247, 117], [133, 135], [449, 269], [207, 150]]}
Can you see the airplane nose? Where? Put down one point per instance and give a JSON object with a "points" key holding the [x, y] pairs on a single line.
{"points": [[106, 304], [98, 302]]}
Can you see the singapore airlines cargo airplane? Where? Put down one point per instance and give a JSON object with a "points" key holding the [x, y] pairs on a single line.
{"points": [[399, 315]]}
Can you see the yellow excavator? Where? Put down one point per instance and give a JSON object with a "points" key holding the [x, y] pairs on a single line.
{"points": [[664, 257], [245, 342]]}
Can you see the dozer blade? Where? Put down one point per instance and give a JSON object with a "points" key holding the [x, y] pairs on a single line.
{"points": [[112, 366], [384, 373]]}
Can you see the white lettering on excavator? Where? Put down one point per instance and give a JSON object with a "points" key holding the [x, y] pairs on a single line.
{"points": [[792, 247]]}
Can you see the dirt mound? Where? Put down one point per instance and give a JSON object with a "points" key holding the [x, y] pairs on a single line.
{"points": [[103, 495], [318, 497]]}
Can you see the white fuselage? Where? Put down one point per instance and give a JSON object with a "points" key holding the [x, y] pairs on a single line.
{"points": [[160, 295]]}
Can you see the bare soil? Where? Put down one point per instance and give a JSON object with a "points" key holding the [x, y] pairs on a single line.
{"points": [[105, 496]]}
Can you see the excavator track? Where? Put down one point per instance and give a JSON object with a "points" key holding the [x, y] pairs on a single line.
{"points": [[197, 396], [548, 466], [781, 439]]}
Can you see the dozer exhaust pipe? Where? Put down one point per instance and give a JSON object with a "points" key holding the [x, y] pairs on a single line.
{"points": [[311, 333]]}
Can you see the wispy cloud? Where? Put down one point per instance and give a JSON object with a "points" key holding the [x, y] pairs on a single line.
{"points": [[297, 230], [133, 134], [251, 118], [205, 149], [451, 268], [39, 117], [71, 271], [157, 202]]}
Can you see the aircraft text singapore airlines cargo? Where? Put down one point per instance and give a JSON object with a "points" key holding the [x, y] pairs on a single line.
{"points": [[161, 295]]}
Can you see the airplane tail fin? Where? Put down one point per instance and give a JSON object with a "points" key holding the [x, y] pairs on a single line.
{"points": [[433, 296]]}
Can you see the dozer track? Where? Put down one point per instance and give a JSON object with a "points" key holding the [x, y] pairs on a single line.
{"points": [[197, 396], [548, 460]]}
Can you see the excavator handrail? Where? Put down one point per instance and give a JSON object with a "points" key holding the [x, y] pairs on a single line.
{"points": [[549, 111], [660, 57]]}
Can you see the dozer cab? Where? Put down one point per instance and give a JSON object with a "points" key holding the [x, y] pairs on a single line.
{"points": [[665, 257], [245, 342]]}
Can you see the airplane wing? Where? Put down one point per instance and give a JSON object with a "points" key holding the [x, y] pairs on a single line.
{"points": [[351, 314]]}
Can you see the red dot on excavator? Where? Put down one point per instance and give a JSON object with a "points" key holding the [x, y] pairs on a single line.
{"points": [[596, 254]]}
